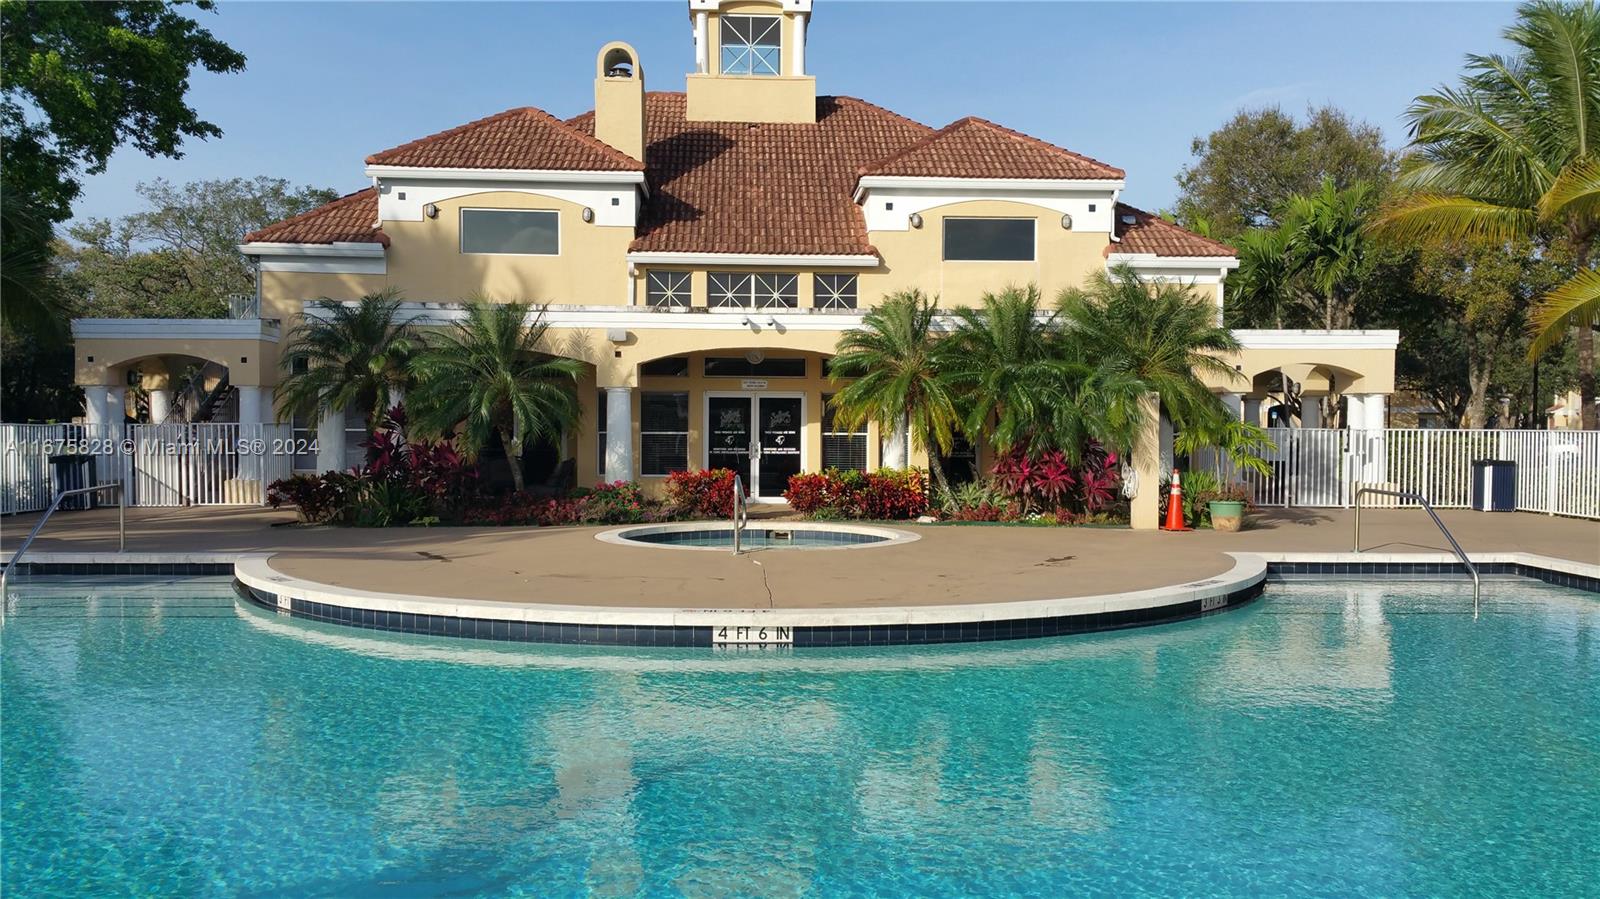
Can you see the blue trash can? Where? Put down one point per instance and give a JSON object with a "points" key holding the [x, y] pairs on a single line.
{"points": [[72, 471], [1494, 485]]}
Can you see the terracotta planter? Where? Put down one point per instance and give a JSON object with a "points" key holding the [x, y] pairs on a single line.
{"points": [[1226, 515]]}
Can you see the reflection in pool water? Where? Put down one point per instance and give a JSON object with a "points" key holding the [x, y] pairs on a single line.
{"points": [[164, 739]]}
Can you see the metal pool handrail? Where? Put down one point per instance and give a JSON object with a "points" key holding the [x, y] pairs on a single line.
{"points": [[1477, 586], [122, 524], [741, 513]]}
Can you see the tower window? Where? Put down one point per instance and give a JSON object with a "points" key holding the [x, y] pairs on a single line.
{"points": [[750, 45]]}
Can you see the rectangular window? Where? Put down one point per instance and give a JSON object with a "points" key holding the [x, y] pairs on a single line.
{"points": [[762, 290], [355, 438], [663, 433], [834, 292], [841, 449], [988, 240], [303, 432], [526, 232], [741, 367], [751, 45], [670, 367], [600, 436], [666, 289]]}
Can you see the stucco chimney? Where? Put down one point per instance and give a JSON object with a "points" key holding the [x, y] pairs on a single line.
{"points": [[619, 99]]}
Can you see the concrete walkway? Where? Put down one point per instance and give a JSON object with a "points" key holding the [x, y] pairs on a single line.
{"points": [[950, 564]]}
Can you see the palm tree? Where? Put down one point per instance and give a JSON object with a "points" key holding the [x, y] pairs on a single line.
{"points": [[1161, 335], [999, 360], [895, 362], [489, 375], [1512, 154], [344, 356], [1326, 241], [1025, 383]]}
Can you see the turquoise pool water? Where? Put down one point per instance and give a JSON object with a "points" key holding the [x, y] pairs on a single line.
{"points": [[1335, 739]]}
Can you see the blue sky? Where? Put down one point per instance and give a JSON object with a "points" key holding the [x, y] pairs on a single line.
{"points": [[1131, 83]]}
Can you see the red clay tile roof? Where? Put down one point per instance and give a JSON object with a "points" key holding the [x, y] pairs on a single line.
{"points": [[736, 187], [522, 138], [352, 218], [976, 148], [1153, 234]]}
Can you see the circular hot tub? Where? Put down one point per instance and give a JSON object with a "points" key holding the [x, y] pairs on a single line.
{"points": [[718, 536]]}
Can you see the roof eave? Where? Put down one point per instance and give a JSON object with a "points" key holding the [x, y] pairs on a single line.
{"points": [[555, 176]]}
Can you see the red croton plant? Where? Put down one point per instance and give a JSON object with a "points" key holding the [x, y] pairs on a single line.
{"points": [[1049, 482]]}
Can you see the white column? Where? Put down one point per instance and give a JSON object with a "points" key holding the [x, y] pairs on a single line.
{"points": [[1310, 411], [160, 405], [895, 444], [799, 44], [1377, 468], [96, 403], [330, 442], [702, 42], [1235, 404], [250, 431], [619, 434], [1252, 410], [250, 405], [1355, 412], [1375, 411]]}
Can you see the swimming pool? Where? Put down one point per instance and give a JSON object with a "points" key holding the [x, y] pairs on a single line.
{"points": [[1333, 738]]}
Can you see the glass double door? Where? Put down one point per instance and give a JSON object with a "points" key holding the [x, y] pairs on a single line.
{"points": [[758, 437]]}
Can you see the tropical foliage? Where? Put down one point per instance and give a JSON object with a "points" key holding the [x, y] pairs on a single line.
{"points": [[884, 495], [489, 375], [348, 356], [896, 376], [1510, 154], [1059, 393], [1155, 337]]}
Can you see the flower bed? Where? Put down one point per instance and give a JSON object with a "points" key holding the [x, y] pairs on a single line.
{"points": [[882, 495]]}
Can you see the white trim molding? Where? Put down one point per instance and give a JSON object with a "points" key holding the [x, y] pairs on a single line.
{"points": [[692, 318], [342, 249], [340, 258], [175, 329], [968, 185], [799, 260], [556, 176], [1152, 261], [1307, 339]]}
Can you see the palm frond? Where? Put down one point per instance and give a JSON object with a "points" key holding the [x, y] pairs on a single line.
{"points": [[1573, 304], [1576, 193], [1418, 217]]}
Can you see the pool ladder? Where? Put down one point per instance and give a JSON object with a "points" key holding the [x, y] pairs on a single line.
{"points": [[122, 528], [1477, 586], [741, 512]]}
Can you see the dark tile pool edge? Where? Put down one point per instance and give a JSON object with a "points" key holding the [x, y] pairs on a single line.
{"points": [[805, 637], [1289, 572], [130, 569]]}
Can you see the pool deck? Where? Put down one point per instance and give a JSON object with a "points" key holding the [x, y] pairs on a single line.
{"points": [[950, 564]]}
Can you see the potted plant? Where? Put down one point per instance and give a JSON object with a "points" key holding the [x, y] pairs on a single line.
{"points": [[1239, 444]]}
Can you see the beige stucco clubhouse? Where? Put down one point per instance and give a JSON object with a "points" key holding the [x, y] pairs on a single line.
{"points": [[703, 251]]}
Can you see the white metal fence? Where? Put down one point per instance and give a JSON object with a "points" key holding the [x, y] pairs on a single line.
{"points": [[209, 464], [1558, 472]]}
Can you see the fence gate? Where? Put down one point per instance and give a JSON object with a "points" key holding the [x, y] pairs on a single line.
{"points": [[206, 464], [1558, 472]]}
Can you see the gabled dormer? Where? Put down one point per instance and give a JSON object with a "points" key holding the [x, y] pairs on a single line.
{"points": [[750, 62]]}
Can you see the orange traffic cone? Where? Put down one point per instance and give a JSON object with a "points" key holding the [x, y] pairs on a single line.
{"points": [[1175, 506]]}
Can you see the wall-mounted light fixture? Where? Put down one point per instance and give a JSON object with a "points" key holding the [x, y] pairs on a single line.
{"points": [[1066, 221], [588, 215], [431, 210], [916, 220]]}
